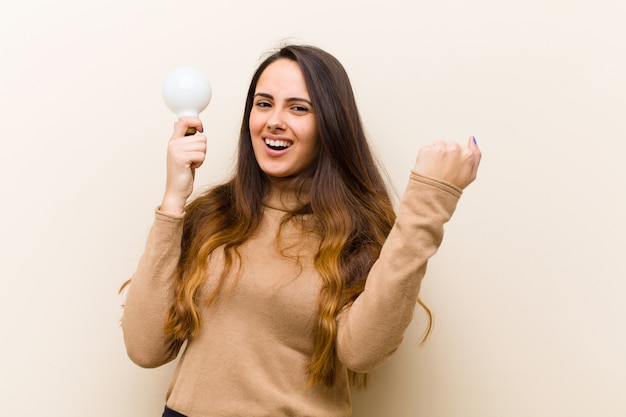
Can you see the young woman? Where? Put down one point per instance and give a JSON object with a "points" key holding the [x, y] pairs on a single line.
{"points": [[295, 275]]}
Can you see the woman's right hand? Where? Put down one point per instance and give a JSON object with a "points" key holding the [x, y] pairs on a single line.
{"points": [[184, 155]]}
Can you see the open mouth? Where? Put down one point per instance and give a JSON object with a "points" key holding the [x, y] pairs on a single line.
{"points": [[277, 145]]}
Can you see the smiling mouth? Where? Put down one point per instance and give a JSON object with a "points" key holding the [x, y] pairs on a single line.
{"points": [[277, 145]]}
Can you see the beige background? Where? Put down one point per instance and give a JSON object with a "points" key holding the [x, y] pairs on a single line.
{"points": [[528, 287]]}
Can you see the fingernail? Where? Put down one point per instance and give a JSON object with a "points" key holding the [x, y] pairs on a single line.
{"points": [[474, 139]]}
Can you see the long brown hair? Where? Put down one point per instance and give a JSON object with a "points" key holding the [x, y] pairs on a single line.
{"points": [[347, 198]]}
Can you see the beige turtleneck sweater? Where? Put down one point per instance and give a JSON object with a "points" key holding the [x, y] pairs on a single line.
{"points": [[249, 357]]}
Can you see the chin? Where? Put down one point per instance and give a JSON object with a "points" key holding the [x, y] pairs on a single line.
{"points": [[275, 171]]}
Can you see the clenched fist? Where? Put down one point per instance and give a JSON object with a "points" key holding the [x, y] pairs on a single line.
{"points": [[450, 162], [184, 155]]}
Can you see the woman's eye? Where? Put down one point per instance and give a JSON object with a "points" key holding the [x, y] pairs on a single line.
{"points": [[263, 104], [300, 109]]}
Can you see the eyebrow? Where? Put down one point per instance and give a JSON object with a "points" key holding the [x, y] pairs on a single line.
{"points": [[290, 99]]}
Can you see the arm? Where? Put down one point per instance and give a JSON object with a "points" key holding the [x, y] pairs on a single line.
{"points": [[152, 287], [150, 294], [372, 327]]}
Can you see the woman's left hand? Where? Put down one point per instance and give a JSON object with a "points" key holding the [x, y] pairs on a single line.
{"points": [[450, 162]]}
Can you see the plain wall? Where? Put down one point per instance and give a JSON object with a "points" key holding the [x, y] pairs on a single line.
{"points": [[527, 288]]}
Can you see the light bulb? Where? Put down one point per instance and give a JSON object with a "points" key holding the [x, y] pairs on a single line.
{"points": [[186, 92]]}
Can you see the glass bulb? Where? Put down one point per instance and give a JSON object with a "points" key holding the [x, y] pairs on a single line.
{"points": [[186, 91]]}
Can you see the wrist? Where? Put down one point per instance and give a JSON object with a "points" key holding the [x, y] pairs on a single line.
{"points": [[173, 205]]}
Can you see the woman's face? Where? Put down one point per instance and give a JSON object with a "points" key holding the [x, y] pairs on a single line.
{"points": [[282, 121]]}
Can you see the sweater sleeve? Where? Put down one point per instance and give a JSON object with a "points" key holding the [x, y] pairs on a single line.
{"points": [[150, 294], [372, 327]]}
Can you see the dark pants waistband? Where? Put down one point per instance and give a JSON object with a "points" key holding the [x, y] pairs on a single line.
{"points": [[168, 412]]}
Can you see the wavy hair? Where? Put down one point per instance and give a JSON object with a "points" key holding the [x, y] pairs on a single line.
{"points": [[346, 197]]}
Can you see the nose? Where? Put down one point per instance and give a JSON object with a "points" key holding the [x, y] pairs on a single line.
{"points": [[275, 120]]}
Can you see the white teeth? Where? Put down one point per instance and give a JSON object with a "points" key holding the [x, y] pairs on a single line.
{"points": [[277, 143]]}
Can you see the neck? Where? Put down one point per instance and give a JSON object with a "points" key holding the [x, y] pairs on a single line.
{"points": [[287, 193]]}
